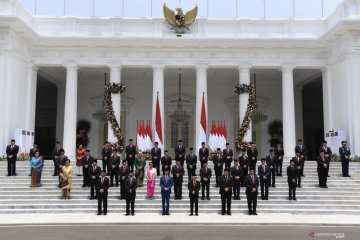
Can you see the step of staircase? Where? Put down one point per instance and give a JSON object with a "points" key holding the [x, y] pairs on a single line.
{"points": [[342, 196]]}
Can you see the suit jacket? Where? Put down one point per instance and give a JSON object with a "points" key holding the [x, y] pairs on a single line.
{"points": [[218, 163], [271, 160], [87, 161], [57, 152], [327, 150], [321, 162], [298, 162], [166, 161], [292, 173], [106, 152], [14, 151], [263, 173], [251, 184], [244, 161], [130, 185], [195, 188], [205, 173], [130, 151], [32, 152], [344, 152], [203, 153], [191, 161], [163, 184], [60, 160], [115, 161], [178, 170], [180, 152], [102, 185], [279, 153], [236, 172], [228, 154], [252, 153], [123, 171], [155, 153], [95, 173], [302, 150], [226, 184]]}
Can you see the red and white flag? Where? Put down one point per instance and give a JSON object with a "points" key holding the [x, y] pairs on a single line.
{"points": [[148, 138], [203, 123], [158, 126], [212, 144]]}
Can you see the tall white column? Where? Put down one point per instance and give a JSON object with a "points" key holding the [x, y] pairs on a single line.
{"points": [[244, 78], [158, 88], [70, 115], [288, 107], [201, 89], [31, 97], [115, 77], [327, 100]]}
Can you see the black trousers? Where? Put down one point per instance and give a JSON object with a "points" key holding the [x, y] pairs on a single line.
{"points": [[86, 177], [194, 201], [245, 173], [205, 185], [272, 176], [130, 163], [226, 201], [114, 173], [264, 185], [93, 193], [292, 191], [279, 167], [218, 174], [252, 201], [236, 188], [105, 165], [178, 189], [191, 172], [102, 200], [252, 165], [299, 178], [122, 189], [11, 166], [228, 165], [323, 173], [55, 168], [156, 164], [130, 204]]}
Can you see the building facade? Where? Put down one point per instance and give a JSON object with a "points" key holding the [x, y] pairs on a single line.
{"points": [[52, 75]]}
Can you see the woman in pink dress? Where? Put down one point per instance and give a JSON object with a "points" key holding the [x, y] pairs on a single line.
{"points": [[80, 153], [151, 176]]}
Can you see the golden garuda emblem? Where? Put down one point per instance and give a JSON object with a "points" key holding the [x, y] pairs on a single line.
{"points": [[178, 21]]}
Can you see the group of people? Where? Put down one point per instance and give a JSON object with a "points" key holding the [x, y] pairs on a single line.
{"points": [[230, 173]]}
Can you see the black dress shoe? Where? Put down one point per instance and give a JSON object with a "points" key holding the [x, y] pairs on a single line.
{"points": [[127, 214], [132, 214], [294, 198], [168, 214], [223, 213], [229, 213], [83, 186], [163, 214], [105, 213], [202, 198], [325, 186], [191, 214], [196, 214], [250, 212], [290, 198], [300, 186], [254, 213], [273, 186], [99, 213], [208, 198]]}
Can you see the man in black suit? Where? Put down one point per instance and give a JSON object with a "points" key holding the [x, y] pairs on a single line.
{"points": [[226, 184], [86, 162], [180, 152], [279, 154], [114, 169], [298, 161], [130, 187], [345, 154], [155, 157], [12, 151], [292, 174], [94, 172], [228, 156], [323, 169], [252, 153], [194, 188], [178, 172], [56, 154], [237, 175], [191, 161], [106, 154], [205, 175], [244, 164], [218, 161], [130, 151], [124, 171], [203, 153], [271, 162], [165, 162], [301, 148], [102, 186], [60, 161], [252, 185], [327, 151], [32, 152], [264, 175]]}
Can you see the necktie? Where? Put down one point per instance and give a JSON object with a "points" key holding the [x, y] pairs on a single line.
{"points": [[226, 178], [102, 181], [252, 178], [264, 168], [94, 169], [194, 183], [166, 180]]}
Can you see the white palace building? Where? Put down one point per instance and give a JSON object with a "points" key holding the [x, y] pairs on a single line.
{"points": [[307, 75]]}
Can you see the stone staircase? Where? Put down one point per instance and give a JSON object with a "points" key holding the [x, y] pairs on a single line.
{"points": [[342, 196]]}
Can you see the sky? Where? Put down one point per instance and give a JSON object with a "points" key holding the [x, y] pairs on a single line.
{"points": [[213, 9]]}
